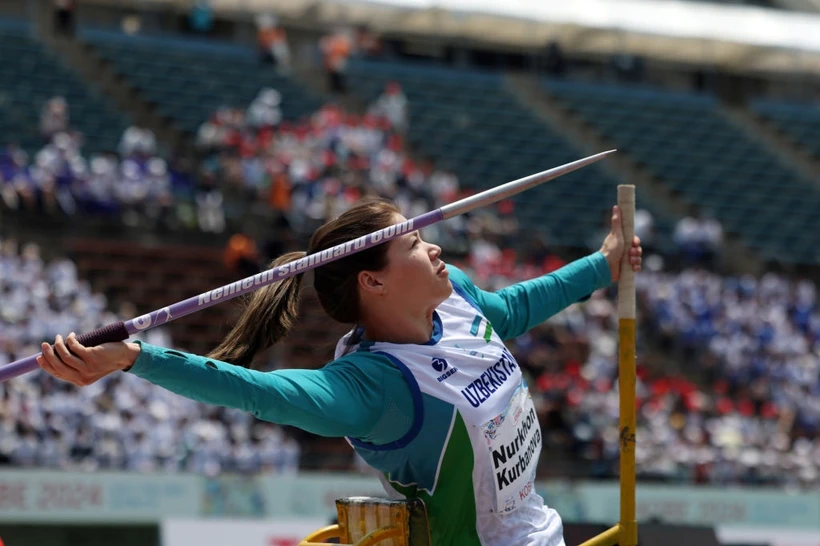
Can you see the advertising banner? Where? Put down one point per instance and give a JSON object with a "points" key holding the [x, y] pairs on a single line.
{"points": [[79, 497]]}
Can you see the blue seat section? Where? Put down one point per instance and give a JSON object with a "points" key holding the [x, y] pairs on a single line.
{"points": [[799, 122], [189, 79], [469, 124], [31, 76], [688, 144]]}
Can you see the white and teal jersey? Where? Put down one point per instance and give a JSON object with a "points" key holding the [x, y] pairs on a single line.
{"points": [[472, 451], [449, 421]]}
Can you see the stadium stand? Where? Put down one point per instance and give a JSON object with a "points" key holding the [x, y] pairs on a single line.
{"points": [[470, 125], [50, 424], [686, 142], [163, 69], [32, 75], [744, 409]]}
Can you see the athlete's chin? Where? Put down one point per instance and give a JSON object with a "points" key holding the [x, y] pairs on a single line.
{"points": [[448, 289]]}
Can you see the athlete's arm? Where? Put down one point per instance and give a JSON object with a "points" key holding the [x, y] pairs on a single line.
{"points": [[517, 308], [361, 395]]}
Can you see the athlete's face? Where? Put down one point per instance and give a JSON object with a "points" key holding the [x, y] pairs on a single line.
{"points": [[415, 275]]}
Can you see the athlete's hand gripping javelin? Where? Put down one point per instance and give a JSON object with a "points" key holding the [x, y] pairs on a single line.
{"points": [[70, 361]]}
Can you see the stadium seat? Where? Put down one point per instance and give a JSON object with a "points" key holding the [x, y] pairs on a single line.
{"points": [[799, 122]]}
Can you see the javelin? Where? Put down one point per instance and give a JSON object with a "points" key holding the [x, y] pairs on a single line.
{"points": [[119, 331]]}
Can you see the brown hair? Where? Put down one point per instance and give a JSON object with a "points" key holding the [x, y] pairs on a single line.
{"points": [[271, 311]]}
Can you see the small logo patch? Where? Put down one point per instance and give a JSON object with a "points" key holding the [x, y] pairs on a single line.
{"points": [[439, 364]]}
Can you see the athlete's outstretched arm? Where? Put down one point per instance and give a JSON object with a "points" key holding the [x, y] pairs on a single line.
{"points": [[342, 399], [517, 308]]}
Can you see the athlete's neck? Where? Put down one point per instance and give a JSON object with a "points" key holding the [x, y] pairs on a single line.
{"points": [[393, 327]]}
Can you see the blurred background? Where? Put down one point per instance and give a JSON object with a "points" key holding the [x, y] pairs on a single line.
{"points": [[151, 150]]}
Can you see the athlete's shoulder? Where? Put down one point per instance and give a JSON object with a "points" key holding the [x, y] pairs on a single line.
{"points": [[359, 358], [367, 367], [370, 363]]}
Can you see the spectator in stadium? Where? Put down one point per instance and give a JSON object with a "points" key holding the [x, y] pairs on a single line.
{"points": [[15, 177], [241, 255], [391, 369], [367, 41], [64, 16], [392, 104], [138, 141], [336, 49], [645, 229], [201, 18], [265, 111], [273, 42], [54, 117], [699, 240], [57, 167], [209, 200]]}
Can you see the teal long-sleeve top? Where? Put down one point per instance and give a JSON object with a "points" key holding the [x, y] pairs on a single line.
{"points": [[361, 395]]}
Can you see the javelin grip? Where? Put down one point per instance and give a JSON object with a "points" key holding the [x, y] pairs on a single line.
{"points": [[104, 334]]}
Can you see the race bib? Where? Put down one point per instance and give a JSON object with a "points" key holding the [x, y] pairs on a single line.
{"points": [[514, 441]]}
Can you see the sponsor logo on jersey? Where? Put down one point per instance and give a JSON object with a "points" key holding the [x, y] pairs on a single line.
{"points": [[509, 504], [439, 364]]}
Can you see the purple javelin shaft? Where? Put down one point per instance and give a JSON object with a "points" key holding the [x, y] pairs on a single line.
{"points": [[122, 330]]}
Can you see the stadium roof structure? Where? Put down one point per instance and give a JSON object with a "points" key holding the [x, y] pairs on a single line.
{"points": [[732, 37]]}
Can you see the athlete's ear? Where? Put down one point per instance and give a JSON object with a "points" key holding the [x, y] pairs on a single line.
{"points": [[371, 283]]}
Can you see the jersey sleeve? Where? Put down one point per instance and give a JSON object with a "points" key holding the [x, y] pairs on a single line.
{"points": [[517, 308], [361, 395]]}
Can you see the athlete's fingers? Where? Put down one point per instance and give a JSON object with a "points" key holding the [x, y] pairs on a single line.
{"points": [[65, 355]]}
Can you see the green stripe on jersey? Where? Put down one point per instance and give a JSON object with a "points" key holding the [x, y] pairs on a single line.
{"points": [[451, 509], [488, 332]]}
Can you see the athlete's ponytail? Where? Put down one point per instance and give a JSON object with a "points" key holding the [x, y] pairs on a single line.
{"points": [[272, 310], [268, 316]]}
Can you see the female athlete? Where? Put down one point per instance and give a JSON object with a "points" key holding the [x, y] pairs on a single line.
{"points": [[422, 386]]}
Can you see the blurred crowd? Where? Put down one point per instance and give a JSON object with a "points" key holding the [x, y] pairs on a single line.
{"points": [[745, 409], [121, 422], [133, 183], [314, 169]]}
